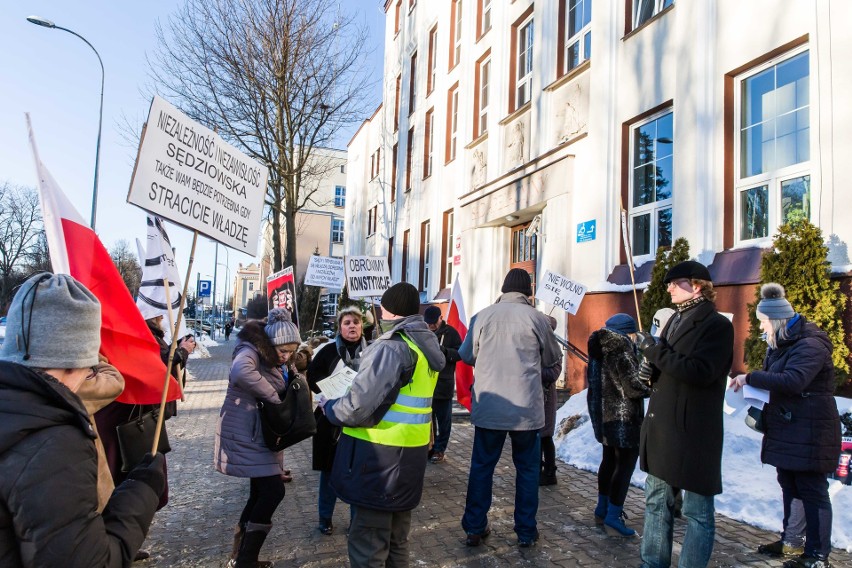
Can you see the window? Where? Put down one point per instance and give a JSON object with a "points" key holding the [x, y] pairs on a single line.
{"points": [[452, 123], [480, 100], [339, 196], [372, 220], [394, 155], [523, 63], [433, 60], [644, 10], [408, 151], [425, 254], [412, 83], [524, 251], [390, 253], [483, 18], [329, 305], [652, 145], [455, 32], [447, 250], [396, 20], [578, 26], [429, 143], [337, 230], [251, 288], [405, 240], [411, 4], [396, 103], [773, 181]]}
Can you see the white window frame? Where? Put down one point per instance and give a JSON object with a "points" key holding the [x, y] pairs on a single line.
{"points": [[427, 254], [774, 178], [640, 6], [448, 261], [484, 80], [337, 226], [582, 39], [653, 208], [340, 194], [485, 17], [454, 123], [430, 146], [457, 44], [523, 83], [433, 59]]}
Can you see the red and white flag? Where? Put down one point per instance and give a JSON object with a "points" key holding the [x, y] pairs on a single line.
{"points": [[75, 249], [457, 319]]}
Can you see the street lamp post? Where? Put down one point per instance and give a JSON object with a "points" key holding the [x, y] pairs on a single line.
{"points": [[228, 277], [39, 21]]}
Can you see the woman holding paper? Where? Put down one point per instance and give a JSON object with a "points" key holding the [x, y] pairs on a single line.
{"points": [[331, 358], [801, 423]]}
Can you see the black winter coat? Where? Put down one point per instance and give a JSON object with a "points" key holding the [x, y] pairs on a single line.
{"points": [[802, 425], [48, 484], [615, 396], [681, 439], [450, 341]]}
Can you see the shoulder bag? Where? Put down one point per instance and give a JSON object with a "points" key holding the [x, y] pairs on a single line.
{"points": [[290, 421], [136, 437]]}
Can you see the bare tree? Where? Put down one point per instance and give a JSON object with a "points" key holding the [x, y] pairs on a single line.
{"points": [[20, 226], [127, 264], [277, 78]]}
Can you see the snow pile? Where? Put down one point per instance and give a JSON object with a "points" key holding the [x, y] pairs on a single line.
{"points": [[751, 492], [202, 342]]}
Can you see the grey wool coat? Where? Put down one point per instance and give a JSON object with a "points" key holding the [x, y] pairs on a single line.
{"points": [[239, 450]]}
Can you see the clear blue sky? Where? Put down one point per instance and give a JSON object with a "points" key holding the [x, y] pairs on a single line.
{"points": [[56, 78]]}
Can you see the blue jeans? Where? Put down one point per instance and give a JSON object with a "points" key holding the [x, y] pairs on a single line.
{"points": [[698, 510], [487, 448], [442, 416], [327, 496]]}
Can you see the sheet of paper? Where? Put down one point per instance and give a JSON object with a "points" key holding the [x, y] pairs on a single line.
{"points": [[337, 384], [734, 402], [755, 397]]}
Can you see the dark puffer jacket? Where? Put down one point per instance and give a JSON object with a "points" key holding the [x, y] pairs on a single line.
{"points": [[450, 341], [48, 484], [615, 392], [802, 423]]}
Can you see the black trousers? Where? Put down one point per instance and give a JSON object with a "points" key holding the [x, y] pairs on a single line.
{"points": [[615, 472], [812, 488], [265, 494]]}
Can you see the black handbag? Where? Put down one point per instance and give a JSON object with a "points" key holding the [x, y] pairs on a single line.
{"points": [[290, 421], [136, 436], [754, 419]]}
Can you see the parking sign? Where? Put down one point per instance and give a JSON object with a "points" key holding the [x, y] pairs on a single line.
{"points": [[204, 287]]}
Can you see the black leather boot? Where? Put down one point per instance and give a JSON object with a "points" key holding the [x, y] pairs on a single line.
{"points": [[250, 547]]}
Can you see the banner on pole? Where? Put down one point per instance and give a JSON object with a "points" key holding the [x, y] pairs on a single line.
{"points": [[367, 276], [189, 175], [325, 272], [560, 291], [281, 292]]}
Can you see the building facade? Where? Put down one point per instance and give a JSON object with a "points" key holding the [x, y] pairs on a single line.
{"points": [[246, 287], [514, 133]]}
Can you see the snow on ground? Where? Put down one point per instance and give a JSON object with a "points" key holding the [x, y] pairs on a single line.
{"points": [[751, 493], [202, 342]]}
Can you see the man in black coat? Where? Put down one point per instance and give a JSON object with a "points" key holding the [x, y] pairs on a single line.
{"points": [[681, 438], [442, 401]]}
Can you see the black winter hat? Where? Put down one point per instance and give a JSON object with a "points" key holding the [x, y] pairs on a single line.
{"points": [[517, 280], [687, 269], [432, 314], [401, 299]]}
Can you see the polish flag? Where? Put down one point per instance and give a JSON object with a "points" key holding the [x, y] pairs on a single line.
{"points": [[75, 249], [457, 319]]}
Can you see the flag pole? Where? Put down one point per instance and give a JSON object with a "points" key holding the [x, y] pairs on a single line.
{"points": [[173, 329], [316, 312], [161, 414], [629, 252]]}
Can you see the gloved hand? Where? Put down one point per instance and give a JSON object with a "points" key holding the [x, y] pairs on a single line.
{"points": [[644, 340], [151, 471], [646, 371]]}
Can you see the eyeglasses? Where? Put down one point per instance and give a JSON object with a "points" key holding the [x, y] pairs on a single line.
{"points": [[93, 372], [678, 281]]}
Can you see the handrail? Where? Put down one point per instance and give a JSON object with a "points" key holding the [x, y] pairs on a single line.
{"points": [[572, 348]]}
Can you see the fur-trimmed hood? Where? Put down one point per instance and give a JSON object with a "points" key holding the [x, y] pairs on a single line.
{"points": [[253, 332]]}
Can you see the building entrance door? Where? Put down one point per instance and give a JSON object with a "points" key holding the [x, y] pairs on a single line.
{"points": [[524, 251]]}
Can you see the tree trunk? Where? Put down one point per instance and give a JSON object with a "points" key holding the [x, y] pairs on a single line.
{"points": [[290, 227], [276, 241]]}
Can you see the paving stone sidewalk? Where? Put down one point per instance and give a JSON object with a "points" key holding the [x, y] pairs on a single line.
{"points": [[195, 529]]}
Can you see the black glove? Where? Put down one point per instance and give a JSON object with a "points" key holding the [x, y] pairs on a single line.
{"points": [[644, 340], [151, 471], [646, 371]]}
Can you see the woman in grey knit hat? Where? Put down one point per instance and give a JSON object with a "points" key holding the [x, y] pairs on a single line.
{"points": [[260, 370], [801, 432]]}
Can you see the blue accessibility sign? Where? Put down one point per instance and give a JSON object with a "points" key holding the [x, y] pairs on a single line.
{"points": [[204, 287], [586, 231]]}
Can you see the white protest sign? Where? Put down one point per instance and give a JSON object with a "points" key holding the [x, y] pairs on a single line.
{"points": [[326, 272], [560, 291], [187, 174], [367, 276]]}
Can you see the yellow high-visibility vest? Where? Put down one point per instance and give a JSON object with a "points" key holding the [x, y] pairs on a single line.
{"points": [[408, 421]]}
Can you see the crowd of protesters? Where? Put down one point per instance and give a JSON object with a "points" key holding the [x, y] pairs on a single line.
{"points": [[396, 417]]}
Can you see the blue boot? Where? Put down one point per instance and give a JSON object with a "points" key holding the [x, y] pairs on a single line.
{"points": [[614, 522], [600, 510]]}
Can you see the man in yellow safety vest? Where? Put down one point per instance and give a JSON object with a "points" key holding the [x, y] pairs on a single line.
{"points": [[387, 419]]}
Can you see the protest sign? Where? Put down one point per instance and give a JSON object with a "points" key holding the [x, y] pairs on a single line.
{"points": [[560, 291], [367, 276], [281, 291], [189, 175], [325, 272]]}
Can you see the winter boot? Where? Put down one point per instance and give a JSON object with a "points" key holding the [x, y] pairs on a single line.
{"points": [[325, 526], [808, 561], [239, 531], [600, 510], [250, 547], [614, 522]]}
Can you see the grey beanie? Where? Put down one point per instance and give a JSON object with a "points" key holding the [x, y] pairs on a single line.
{"points": [[280, 327], [773, 303], [54, 322]]}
